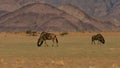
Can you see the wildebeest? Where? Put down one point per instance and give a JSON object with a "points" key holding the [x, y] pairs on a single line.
{"points": [[99, 38], [47, 36]]}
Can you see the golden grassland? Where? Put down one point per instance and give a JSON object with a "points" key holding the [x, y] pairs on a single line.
{"points": [[19, 50]]}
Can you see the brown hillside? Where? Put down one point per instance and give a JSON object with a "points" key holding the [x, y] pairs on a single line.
{"points": [[39, 17], [81, 15], [8, 6], [44, 17]]}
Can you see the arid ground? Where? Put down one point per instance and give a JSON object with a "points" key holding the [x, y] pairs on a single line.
{"points": [[19, 50]]}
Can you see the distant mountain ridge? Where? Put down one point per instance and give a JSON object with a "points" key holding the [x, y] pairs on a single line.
{"points": [[38, 17], [98, 8], [33, 15], [81, 15], [44, 17]]}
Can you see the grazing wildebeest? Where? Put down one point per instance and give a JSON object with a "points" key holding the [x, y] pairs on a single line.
{"points": [[99, 38], [47, 36]]}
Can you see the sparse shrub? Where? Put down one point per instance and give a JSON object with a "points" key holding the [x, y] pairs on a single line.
{"points": [[34, 33], [64, 33], [31, 33], [28, 32]]}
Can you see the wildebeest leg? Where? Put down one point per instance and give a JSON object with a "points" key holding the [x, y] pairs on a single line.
{"points": [[99, 42], [46, 44], [57, 41], [93, 42], [53, 42]]}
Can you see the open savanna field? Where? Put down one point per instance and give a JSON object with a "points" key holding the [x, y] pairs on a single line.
{"points": [[19, 50]]}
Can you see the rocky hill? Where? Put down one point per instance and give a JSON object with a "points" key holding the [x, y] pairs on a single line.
{"points": [[81, 15], [39, 17], [98, 8]]}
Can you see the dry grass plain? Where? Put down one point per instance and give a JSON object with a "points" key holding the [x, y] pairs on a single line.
{"points": [[19, 50]]}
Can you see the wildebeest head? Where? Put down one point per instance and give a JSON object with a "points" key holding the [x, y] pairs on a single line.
{"points": [[102, 40], [39, 42]]}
